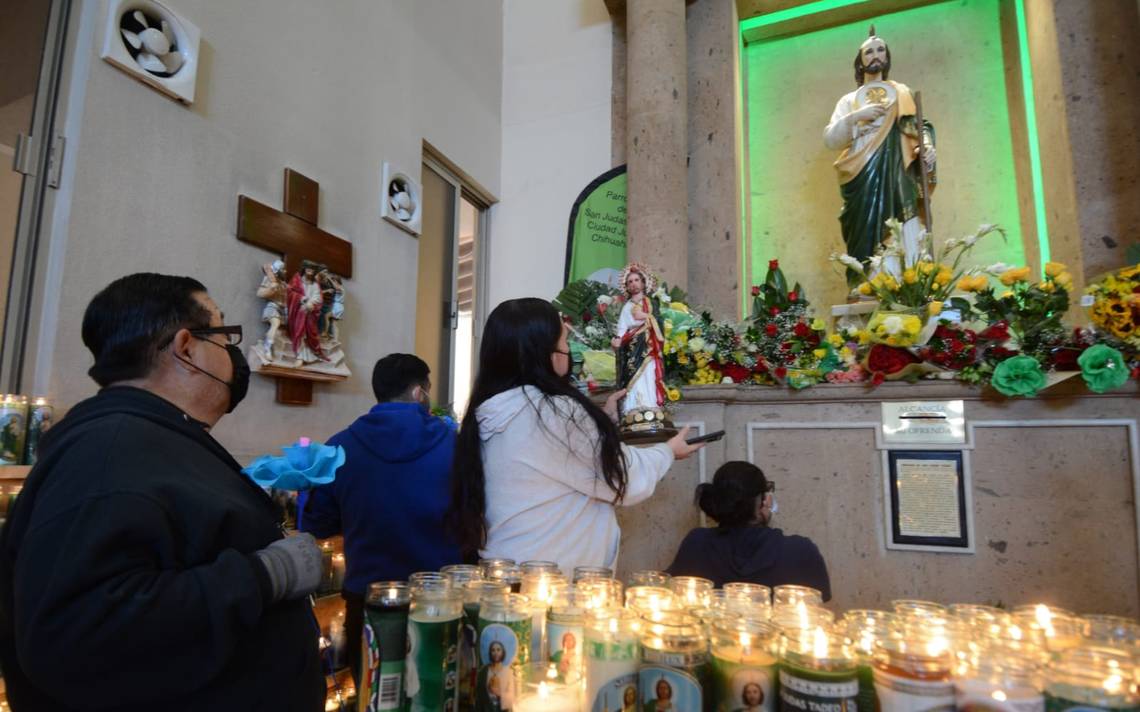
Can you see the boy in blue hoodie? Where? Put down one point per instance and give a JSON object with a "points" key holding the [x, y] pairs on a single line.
{"points": [[389, 497]]}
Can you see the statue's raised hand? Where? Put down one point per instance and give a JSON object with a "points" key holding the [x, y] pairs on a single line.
{"points": [[928, 156]]}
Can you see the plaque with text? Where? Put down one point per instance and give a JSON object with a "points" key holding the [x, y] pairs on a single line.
{"points": [[928, 499], [924, 423]]}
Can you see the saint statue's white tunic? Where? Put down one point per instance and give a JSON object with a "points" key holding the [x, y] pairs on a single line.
{"points": [[642, 391], [546, 498]]}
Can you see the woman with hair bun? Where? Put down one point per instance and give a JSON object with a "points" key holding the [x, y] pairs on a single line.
{"points": [[742, 547]]}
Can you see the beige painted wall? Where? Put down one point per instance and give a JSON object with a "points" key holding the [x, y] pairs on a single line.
{"points": [[329, 89], [556, 137]]}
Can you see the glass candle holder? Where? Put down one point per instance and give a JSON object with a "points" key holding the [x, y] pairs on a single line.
{"points": [[565, 628], [540, 587], [755, 592], [581, 573], [913, 672], [744, 657], [914, 608], [473, 592], [996, 679], [504, 632], [433, 633], [383, 645], [537, 567], [1092, 677], [648, 599], [1062, 629], [510, 574], [789, 595], [802, 616], [541, 689], [461, 574], [864, 630], [691, 591], [649, 578], [817, 671], [13, 428], [612, 659], [40, 418], [674, 661], [600, 593], [1112, 631]]}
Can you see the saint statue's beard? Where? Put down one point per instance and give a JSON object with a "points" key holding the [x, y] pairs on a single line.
{"points": [[877, 67]]}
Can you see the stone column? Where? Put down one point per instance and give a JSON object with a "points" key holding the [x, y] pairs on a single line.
{"points": [[656, 137], [714, 157]]}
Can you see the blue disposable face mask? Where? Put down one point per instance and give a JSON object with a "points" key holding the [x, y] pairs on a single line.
{"points": [[775, 506]]}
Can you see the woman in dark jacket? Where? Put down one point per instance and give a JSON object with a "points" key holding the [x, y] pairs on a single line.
{"points": [[743, 547]]}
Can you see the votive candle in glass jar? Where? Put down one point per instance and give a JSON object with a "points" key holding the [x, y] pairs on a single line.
{"points": [[540, 587], [535, 566], [817, 671], [650, 599], [1093, 678], [383, 646], [473, 592], [914, 608], [744, 657], [864, 630], [565, 628], [1063, 630], [600, 593], [691, 591], [13, 428], [649, 578], [541, 690], [802, 616], [433, 632], [581, 573], [1112, 631], [999, 680], [791, 595], [914, 670], [674, 662], [758, 593], [460, 574], [612, 659]]}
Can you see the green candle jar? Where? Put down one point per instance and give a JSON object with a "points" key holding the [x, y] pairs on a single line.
{"points": [[461, 574], [818, 672], [612, 659], [675, 665], [1092, 678], [473, 592], [384, 646], [744, 671], [504, 647], [432, 673]]}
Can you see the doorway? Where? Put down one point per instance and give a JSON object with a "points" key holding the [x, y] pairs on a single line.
{"points": [[449, 305]]}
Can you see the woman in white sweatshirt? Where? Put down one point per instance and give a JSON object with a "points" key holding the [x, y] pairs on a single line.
{"points": [[538, 467]]}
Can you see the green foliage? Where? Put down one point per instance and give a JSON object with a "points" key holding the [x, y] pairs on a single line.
{"points": [[579, 298]]}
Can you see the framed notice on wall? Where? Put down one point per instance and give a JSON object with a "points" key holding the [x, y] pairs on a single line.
{"points": [[928, 503]]}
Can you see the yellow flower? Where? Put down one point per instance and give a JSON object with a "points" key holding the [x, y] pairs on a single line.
{"points": [[890, 283], [835, 340], [925, 267], [674, 394], [845, 353], [682, 357], [1052, 269], [1007, 294], [865, 288], [969, 283], [819, 353], [863, 336], [935, 308], [818, 324], [1046, 286], [910, 277], [679, 306], [1014, 275], [1064, 280], [944, 275]]}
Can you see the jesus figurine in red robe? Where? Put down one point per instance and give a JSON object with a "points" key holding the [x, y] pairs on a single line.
{"points": [[304, 303]]}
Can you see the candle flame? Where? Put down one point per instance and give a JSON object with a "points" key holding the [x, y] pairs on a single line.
{"points": [[867, 643], [999, 695], [393, 593], [552, 673], [745, 640], [819, 644], [1113, 684], [613, 625], [543, 691], [1015, 632], [1045, 619], [937, 646]]}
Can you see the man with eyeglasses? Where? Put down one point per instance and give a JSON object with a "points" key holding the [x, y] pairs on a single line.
{"points": [[744, 546], [139, 568]]}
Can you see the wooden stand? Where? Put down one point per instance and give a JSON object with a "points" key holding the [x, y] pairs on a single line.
{"points": [[295, 386]]}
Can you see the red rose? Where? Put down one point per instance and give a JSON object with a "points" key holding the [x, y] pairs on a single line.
{"points": [[771, 329], [755, 291], [786, 346], [774, 311], [761, 367], [781, 372], [586, 317], [996, 332], [792, 296], [1001, 353], [1065, 359], [877, 379], [888, 359], [738, 373], [773, 264], [1136, 373], [801, 329]]}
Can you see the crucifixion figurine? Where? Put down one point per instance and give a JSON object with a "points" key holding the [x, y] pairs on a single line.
{"points": [[300, 346]]}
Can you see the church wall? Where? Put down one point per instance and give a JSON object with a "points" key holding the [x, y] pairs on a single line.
{"points": [[555, 137], [331, 90]]}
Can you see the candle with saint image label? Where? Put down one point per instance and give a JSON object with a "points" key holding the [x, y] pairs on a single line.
{"points": [[817, 672], [612, 659], [744, 664]]}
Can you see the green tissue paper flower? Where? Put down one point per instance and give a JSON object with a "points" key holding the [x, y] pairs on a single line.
{"points": [[1018, 376], [1103, 368]]}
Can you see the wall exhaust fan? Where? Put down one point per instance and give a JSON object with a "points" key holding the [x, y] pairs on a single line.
{"points": [[153, 44], [400, 200]]}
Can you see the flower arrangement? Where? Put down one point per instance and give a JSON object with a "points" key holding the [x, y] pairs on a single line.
{"points": [[1116, 306]]}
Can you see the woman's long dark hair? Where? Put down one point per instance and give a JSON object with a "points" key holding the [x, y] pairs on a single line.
{"points": [[518, 341]]}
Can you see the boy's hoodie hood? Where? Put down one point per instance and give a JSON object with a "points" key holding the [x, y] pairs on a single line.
{"points": [[398, 432]]}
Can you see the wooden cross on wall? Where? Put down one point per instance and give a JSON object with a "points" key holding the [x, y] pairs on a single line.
{"points": [[294, 234]]}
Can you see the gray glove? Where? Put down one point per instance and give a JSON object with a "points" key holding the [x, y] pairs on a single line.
{"points": [[293, 565]]}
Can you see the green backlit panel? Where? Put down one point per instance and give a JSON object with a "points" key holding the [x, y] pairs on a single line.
{"points": [[952, 53]]}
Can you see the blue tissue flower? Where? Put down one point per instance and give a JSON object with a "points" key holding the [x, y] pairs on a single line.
{"points": [[303, 466]]}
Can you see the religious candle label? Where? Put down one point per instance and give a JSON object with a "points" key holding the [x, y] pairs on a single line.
{"points": [[384, 642], [897, 693], [13, 427], [432, 677], [502, 647], [1061, 704], [836, 694], [742, 686], [39, 420], [670, 689], [566, 650], [867, 700], [611, 674]]}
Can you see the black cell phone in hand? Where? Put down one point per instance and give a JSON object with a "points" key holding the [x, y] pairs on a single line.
{"points": [[707, 438]]}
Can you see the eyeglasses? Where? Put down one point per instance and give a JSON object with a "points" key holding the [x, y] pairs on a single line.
{"points": [[231, 332], [771, 487]]}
